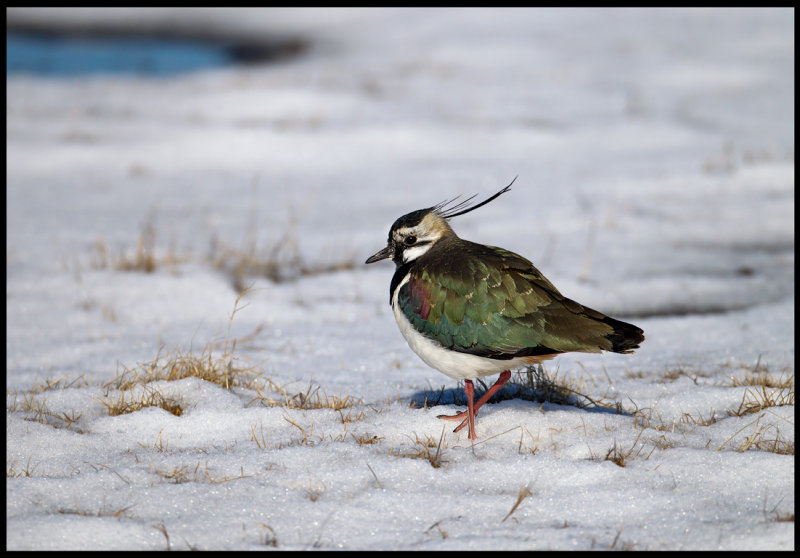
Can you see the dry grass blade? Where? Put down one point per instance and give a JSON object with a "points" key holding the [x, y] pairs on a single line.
{"points": [[366, 439], [616, 456], [311, 398], [146, 257], [756, 399], [536, 384], [423, 450], [59, 383], [177, 366], [755, 424], [762, 378], [269, 537], [306, 439], [279, 261], [36, 410], [126, 403], [524, 492], [378, 482]]}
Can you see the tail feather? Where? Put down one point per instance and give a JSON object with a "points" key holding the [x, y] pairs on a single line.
{"points": [[625, 337]]}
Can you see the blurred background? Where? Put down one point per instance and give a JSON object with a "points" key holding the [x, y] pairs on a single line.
{"points": [[654, 147]]}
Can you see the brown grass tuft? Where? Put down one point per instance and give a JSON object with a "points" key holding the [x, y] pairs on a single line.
{"points": [[125, 402], [423, 450]]}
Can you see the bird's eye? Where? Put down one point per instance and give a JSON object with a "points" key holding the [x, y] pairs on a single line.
{"points": [[410, 240]]}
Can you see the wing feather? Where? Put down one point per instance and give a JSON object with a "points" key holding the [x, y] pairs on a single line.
{"points": [[491, 302]]}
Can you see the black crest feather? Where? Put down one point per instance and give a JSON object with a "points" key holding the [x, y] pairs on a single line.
{"points": [[463, 206]]}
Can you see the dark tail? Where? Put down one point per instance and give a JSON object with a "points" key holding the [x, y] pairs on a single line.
{"points": [[625, 338]]}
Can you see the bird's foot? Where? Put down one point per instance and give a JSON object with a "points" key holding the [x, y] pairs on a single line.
{"points": [[469, 391], [468, 417], [458, 416], [463, 416]]}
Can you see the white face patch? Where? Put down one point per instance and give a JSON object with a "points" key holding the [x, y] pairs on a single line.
{"points": [[415, 241], [414, 252]]}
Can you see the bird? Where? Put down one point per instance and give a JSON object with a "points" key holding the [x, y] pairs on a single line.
{"points": [[470, 310]]}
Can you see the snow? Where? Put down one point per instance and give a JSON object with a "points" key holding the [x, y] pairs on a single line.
{"points": [[654, 150]]}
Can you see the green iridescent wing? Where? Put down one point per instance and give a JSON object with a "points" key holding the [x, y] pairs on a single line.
{"points": [[491, 302]]}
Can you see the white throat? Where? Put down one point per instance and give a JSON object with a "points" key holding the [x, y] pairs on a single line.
{"points": [[413, 252]]}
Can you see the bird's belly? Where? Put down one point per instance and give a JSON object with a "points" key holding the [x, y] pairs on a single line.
{"points": [[459, 366]]}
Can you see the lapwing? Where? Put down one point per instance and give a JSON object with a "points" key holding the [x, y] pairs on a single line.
{"points": [[471, 310]]}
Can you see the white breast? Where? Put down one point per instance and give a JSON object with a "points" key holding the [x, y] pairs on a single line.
{"points": [[457, 365]]}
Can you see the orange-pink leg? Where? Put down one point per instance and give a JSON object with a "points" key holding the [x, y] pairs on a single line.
{"points": [[469, 391], [468, 417]]}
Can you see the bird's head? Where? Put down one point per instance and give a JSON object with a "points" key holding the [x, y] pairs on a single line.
{"points": [[415, 233]]}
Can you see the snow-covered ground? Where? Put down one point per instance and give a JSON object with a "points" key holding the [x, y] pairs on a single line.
{"points": [[654, 150]]}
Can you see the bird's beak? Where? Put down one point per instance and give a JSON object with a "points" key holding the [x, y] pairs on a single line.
{"points": [[382, 255]]}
